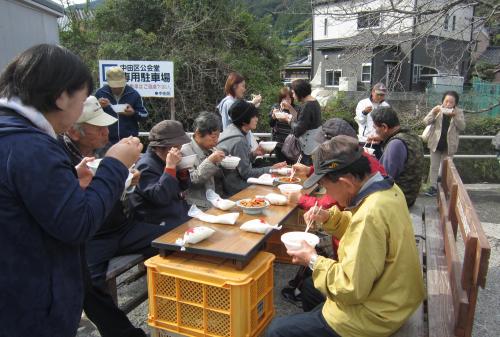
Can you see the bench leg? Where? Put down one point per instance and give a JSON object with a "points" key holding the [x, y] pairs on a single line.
{"points": [[111, 284]]}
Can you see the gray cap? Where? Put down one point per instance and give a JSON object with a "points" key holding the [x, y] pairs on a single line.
{"points": [[380, 88], [335, 127], [332, 156], [168, 133]]}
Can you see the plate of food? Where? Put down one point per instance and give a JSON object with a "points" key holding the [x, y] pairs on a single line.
{"points": [[253, 205], [288, 180]]}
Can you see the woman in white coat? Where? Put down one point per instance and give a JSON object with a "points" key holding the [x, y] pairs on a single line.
{"points": [[446, 120]]}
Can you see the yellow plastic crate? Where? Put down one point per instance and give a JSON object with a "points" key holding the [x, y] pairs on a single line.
{"points": [[194, 297]]}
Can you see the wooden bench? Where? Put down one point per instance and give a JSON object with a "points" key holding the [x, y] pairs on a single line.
{"points": [[119, 265], [452, 281]]}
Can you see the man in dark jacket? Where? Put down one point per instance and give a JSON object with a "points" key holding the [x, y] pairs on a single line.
{"points": [[117, 235], [122, 102], [403, 153], [159, 196]]}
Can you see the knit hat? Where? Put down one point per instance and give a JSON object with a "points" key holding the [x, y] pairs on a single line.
{"points": [[335, 127], [242, 111], [115, 76], [94, 114], [332, 156], [168, 133]]}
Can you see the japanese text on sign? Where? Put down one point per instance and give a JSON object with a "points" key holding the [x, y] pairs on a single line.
{"points": [[149, 78]]}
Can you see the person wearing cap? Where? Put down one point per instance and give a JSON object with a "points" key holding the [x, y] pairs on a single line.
{"points": [[378, 268], [118, 235], [403, 153], [366, 106], [205, 174], [160, 195], [116, 91], [309, 296], [232, 141]]}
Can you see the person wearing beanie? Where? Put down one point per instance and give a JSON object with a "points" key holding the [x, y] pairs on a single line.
{"points": [[159, 196], [122, 102], [233, 142]]}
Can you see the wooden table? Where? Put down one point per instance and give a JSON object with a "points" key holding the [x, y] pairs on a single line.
{"points": [[229, 242]]}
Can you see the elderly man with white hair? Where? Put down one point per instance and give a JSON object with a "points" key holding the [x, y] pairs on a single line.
{"points": [[118, 235]]}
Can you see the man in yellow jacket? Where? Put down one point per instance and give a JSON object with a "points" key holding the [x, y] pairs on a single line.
{"points": [[377, 283]]}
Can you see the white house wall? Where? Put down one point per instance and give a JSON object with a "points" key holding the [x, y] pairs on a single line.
{"points": [[22, 26], [341, 25], [435, 27]]}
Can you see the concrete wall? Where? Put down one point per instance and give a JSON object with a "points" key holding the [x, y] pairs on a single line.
{"points": [[23, 25]]}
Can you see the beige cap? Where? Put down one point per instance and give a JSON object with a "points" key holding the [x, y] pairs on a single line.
{"points": [[115, 76], [94, 114]]}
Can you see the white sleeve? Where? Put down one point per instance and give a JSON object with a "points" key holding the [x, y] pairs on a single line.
{"points": [[360, 117]]}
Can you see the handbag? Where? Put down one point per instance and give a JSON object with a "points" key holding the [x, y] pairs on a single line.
{"points": [[291, 148], [429, 129]]}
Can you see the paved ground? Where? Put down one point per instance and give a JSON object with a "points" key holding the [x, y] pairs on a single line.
{"points": [[486, 198]]}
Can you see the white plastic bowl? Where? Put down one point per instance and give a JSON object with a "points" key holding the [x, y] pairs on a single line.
{"points": [[230, 162], [287, 189], [280, 115], [187, 162], [268, 146], [369, 150], [252, 210], [93, 165], [293, 240]]}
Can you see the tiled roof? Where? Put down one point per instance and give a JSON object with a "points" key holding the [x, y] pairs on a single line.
{"points": [[304, 62]]}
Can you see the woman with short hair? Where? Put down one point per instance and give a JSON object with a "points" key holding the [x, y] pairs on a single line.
{"points": [[305, 123], [232, 141], [205, 173], [45, 216], [447, 121], [280, 130]]}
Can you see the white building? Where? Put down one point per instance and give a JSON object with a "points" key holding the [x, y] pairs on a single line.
{"points": [[366, 42], [24, 23]]}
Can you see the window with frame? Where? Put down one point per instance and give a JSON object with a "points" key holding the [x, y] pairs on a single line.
{"points": [[446, 23], [366, 72], [332, 78], [368, 20], [453, 22]]}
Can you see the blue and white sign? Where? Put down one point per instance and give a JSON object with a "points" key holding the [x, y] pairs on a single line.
{"points": [[149, 78]]}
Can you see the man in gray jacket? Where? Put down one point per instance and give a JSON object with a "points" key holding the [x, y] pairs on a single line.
{"points": [[233, 142], [205, 174]]}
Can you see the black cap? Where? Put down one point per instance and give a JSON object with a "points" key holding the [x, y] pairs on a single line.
{"points": [[332, 156]]}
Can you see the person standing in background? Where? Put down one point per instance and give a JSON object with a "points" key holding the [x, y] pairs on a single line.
{"points": [[280, 130], [364, 117], [122, 102], [235, 88], [447, 121]]}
